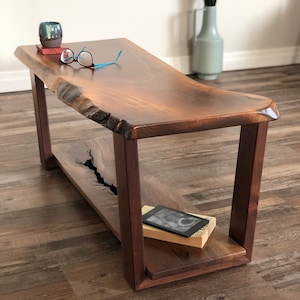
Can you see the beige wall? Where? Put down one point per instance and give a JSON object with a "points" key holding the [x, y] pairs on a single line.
{"points": [[256, 32]]}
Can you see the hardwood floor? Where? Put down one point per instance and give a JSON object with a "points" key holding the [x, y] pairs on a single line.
{"points": [[54, 246]]}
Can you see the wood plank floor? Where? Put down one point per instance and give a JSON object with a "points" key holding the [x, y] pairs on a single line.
{"points": [[54, 246]]}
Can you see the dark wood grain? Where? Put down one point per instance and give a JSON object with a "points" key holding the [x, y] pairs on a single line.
{"points": [[141, 96], [180, 105], [40, 106], [247, 184], [129, 196], [78, 258], [153, 192]]}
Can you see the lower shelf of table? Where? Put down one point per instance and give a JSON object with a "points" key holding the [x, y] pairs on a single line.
{"points": [[164, 261]]}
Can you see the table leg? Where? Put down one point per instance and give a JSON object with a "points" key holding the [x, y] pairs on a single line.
{"points": [[129, 196], [42, 124], [247, 184]]}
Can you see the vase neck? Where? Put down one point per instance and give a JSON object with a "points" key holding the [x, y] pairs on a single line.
{"points": [[209, 22]]}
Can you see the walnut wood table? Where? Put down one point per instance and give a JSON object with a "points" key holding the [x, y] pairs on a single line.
{"points": [[142, 97]]}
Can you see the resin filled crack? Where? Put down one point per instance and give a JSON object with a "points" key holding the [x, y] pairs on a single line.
{"points": [[90, 164]]}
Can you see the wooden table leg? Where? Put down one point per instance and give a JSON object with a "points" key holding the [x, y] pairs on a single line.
{"points": [[247, 184], [129, 196], [42, 124]]}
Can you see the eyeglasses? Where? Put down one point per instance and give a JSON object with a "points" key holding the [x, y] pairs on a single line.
{"points": [[84, 58]]}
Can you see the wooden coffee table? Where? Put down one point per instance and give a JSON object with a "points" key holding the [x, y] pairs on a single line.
{"points": [[142, 97]]}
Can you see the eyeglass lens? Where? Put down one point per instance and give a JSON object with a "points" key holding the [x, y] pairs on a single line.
{"points": [[67, 56], [84, 58]]}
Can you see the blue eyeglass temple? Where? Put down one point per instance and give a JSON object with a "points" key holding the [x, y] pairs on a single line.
{"points": [[101, 65]]}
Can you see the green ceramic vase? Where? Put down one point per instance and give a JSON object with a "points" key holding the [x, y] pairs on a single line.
{"points": [[207, 60]]}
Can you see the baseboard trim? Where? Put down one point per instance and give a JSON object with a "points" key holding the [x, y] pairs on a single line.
{"points": [[261, 58], [14, 81], [244, 59]]}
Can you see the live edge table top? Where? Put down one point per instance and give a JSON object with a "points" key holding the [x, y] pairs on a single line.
{"points": [[140, 96]]}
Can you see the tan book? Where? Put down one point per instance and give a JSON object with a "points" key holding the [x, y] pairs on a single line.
{"points": [[198, 239]]}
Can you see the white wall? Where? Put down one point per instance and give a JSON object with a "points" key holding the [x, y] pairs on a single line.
{"points": [[256, 33]]}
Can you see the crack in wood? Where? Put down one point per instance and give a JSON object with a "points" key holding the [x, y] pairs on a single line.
{"points": [[90, 164]]}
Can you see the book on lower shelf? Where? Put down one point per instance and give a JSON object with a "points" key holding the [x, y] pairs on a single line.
{"points": [[198, 239]]}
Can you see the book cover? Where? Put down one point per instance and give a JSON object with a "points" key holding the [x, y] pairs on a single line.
{"points": [[198, 239]]}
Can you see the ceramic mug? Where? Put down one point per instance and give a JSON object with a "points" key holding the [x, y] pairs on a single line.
{"points": [[50, 34]]}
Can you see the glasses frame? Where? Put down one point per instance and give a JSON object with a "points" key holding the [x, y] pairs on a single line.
{"points": [[93, 66]]}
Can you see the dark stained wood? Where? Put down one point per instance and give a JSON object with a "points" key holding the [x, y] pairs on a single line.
{"points": [[220, 252], [40, 106], [72, 158], [129, 196], [142, 96], [122, 109], [154, 192], [53, 245], [247, 184]]}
